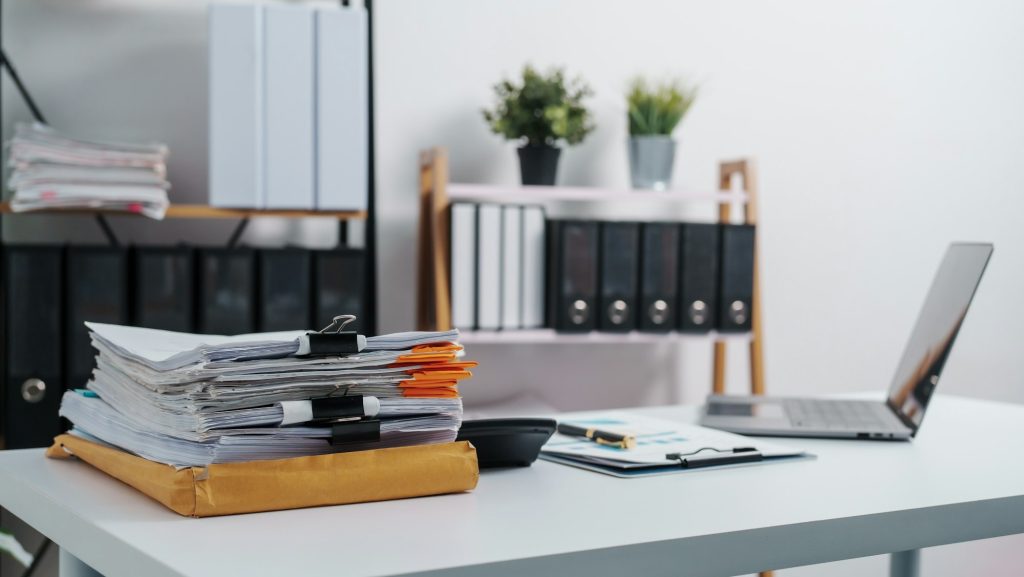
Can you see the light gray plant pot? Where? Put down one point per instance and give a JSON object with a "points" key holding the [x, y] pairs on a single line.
{"points": [[650, 161]]}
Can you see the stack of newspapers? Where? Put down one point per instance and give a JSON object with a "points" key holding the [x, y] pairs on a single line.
{"points": [[191, 400], [53, 171]]}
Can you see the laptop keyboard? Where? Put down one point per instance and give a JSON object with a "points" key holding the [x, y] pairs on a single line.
{"points": [[841, 415]]}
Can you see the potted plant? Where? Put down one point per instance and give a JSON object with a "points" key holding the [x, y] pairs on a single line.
{"points": [[654, 112], [541, 112]]}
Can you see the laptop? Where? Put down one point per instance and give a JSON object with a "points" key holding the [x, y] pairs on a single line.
{"points": [[900, 415]]}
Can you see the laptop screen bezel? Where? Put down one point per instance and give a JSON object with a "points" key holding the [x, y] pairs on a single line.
{"points": [[977, 282]]}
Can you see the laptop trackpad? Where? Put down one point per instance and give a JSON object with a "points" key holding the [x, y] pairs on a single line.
{"points": [[764, 410]]}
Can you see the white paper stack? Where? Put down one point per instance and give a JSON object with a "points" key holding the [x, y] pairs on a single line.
{"points": [[187, 399], [52, 171]]}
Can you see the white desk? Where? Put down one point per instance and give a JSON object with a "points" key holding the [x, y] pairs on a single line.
{"points": [[962, 479]]}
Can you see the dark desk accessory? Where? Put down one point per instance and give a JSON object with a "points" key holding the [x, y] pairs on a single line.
{"points": [[507, 442]]}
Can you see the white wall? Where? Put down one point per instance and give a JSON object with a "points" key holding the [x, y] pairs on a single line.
{"points": [[883, 131]]}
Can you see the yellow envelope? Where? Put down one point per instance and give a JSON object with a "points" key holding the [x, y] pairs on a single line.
{"points": [[336, 479]]}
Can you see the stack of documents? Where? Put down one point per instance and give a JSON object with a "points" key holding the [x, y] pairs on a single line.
{"points": [[186, 399], [52, 171]]}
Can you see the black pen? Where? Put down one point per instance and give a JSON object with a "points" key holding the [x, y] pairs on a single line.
{"points": [[606, 438]]}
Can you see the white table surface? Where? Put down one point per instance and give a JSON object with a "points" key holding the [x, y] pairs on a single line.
{"points": [[961, 479]]}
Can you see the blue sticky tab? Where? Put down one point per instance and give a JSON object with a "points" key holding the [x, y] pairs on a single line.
{"points": [[87, 393]]}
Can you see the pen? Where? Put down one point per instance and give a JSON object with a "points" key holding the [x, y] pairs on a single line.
{"points": [[606, 438]]}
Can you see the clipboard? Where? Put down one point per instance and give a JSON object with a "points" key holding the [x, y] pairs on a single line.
{"points": [[663, 447], [656, 470]]}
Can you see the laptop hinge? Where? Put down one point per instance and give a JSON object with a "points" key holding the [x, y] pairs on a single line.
{"points": [[903, 418]]}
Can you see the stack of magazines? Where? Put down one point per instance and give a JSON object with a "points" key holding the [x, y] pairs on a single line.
{"points": [[52, 171], [193, 400]]}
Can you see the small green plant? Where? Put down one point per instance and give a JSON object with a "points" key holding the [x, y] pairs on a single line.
{"points": [[542, 110], [657, 110]]}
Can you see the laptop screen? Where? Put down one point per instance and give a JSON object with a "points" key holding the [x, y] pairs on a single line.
{"points": [[936, 328]]}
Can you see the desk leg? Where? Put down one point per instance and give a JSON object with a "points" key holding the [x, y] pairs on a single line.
{"points": [[905, 563], [71, 566]]}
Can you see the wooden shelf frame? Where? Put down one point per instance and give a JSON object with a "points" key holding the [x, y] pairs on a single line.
{"points": [[433, 310], [548, 194], [196, 211]]}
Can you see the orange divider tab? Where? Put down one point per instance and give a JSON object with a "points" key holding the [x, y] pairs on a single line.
{"points": [[415, 359], [426, 384], [440, 375], [440, 393], [449, 366], [431, 352], [437, 348]]}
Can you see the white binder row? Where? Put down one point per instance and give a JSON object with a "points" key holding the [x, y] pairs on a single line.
{"points": [[288, 106], [497, 266]]}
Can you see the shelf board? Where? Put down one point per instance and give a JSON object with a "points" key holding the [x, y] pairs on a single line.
{"points": [[205, 211], [550, 336], [542, 194]]}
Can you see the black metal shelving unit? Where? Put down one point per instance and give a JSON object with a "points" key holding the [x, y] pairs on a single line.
{"points": [[369, 320]]}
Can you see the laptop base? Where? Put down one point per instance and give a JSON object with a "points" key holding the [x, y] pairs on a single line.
{"points": [[804, 417]]}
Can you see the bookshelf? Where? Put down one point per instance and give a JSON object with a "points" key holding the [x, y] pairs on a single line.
{"points": [[201, 211], [206, 211], [434, 296]]}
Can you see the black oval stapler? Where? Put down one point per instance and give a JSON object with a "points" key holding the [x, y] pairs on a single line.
{"points": [[507, 442]]}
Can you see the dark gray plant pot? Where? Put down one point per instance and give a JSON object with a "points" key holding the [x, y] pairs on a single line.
{"points": [[539, 164], [650, 161]]}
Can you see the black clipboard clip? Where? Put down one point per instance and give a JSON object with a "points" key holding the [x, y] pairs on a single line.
{"points": [[332, 340], [718, 457]]}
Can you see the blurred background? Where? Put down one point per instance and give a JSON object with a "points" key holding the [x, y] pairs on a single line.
{"points": [[882, 131]]}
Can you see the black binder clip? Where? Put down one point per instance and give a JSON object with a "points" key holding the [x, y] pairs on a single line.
{"points": [[349, 407], [363, 431], [332, 340]]}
